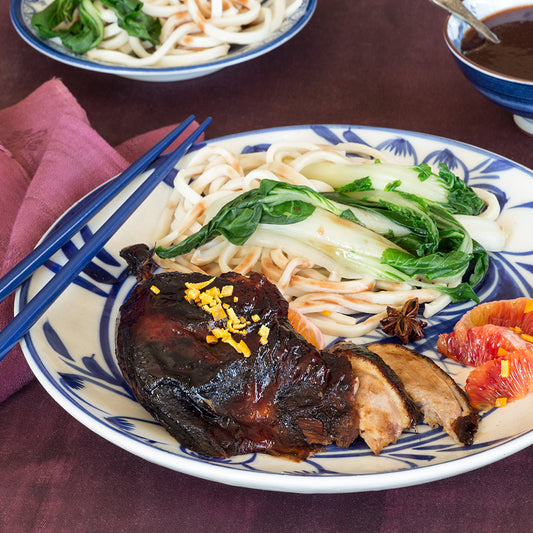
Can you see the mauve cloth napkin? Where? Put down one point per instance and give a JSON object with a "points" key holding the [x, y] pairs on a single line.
{"points": [[49, 158]]}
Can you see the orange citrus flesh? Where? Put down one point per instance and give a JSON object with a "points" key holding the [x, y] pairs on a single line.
{"points": [[497, 339], [494, 383], [306, 328], [479, 344], [510, 313]]}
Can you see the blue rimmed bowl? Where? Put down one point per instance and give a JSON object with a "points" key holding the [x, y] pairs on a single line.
{"points": [[513, 94], [21, 12]]}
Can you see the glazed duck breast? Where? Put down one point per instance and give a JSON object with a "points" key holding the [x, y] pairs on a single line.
{"points": [[232, 378], [439, 398], [384, 409]]}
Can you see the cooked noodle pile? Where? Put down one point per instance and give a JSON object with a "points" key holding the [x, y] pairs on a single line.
{"points": [[193, 31], [214, 175]]}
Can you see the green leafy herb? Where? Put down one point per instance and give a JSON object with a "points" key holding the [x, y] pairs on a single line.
{"points": [[87, 32], [424, 171], [362, 184], [421, 234], [56, 21], [137, 23], [444, 188], [273, 202], [432, 248]]}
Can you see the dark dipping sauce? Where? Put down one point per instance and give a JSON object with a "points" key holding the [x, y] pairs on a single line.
{"points": [[513, 56]]}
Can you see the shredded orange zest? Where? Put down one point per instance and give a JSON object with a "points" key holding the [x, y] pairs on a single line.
{"points": [[504, 371], [502, 351], [500, 402], [263, 334], [155, 290], [264, 331], [210, 301], [218, 313], [214, 292], [526, 337], [218, 332], [201, 285], [529, 306], [326, 312], [243, 347], [227, 290], [516, 329], [191, 295], [232, 342]]}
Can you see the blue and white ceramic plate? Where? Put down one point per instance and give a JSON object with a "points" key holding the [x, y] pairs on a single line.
{"points": [[71, 348], [22, 11]]}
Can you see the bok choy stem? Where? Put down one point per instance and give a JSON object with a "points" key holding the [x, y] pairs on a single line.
{"points": [[444, 188], [334, 229]]}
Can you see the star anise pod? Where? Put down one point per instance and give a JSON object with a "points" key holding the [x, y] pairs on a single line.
{"points": [[404, 324]]}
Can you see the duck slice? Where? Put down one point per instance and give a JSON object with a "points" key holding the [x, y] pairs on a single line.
{"points": [[384, 409], [439, 398]]}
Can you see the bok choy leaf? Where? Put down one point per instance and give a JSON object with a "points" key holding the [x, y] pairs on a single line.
{"points": [[86, 31], [444, 188], [56, 20], [137, 23], [421, 235], [333, 228]]}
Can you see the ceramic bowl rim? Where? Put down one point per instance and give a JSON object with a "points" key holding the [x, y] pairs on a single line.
{"points": [[475, 66]]}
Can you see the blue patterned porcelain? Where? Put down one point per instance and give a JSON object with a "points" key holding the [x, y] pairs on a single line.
{"points": [[513, 94], [22, 11], [71, 348]]}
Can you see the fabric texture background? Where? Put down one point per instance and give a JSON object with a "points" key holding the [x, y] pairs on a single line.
{"points": [[50, 157]]}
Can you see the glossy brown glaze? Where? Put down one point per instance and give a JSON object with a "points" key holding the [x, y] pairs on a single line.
{"points": [[513, 56], [286, 398]]}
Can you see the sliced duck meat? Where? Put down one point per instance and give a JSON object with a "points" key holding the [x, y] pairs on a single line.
{"points": [[384, 409], [440, 399], [217, 362]]}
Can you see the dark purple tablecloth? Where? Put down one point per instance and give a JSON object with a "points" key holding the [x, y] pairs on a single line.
{"points": [[369, 62]]}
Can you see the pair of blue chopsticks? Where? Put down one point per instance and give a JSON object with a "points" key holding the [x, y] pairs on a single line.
{"points": [[27, 317]]}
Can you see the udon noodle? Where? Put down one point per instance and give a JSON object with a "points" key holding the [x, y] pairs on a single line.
{"points": [[215, 175], [193, 31]]}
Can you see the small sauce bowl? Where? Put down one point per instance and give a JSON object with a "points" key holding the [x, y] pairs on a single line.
{"points": [[513, 94]]}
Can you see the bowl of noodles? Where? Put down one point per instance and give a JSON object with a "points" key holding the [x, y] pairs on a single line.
{"points": [[158, 40]]}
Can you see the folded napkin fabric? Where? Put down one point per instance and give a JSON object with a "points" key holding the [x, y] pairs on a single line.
{"points": [[49, 158]]}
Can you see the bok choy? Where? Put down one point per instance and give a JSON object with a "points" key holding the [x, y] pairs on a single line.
{"points": [[80, 27], [337, 227], [444, 188]]}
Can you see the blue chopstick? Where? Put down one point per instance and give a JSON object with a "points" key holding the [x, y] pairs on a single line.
{"points": [[27, 317], [10, 281]]}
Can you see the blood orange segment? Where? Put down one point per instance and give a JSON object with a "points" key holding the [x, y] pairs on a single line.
{"points": [[510, 313], [479, 344], [305, 327], [494, 383]]}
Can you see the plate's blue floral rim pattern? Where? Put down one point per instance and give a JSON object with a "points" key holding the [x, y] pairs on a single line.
{"points": [[22, 11], [82, 375]]}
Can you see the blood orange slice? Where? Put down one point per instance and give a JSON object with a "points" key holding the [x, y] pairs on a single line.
{"points": [[501, 381], [305, 327], [510, 313], [479, 344]]}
